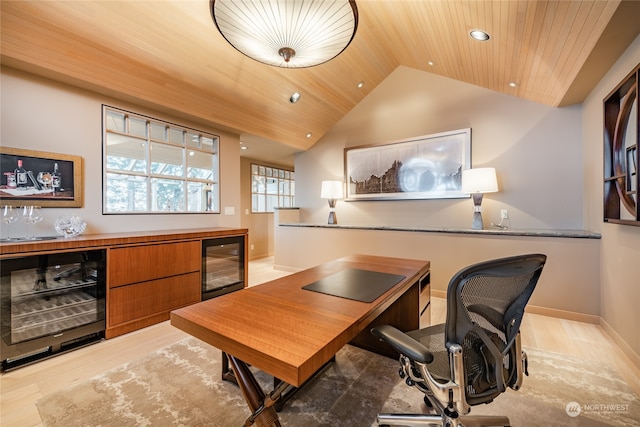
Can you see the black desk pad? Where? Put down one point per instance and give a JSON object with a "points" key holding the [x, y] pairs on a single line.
{"points": [[355, 284]]}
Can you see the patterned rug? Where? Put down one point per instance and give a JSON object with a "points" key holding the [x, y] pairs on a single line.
{"points": [[180, 385]]}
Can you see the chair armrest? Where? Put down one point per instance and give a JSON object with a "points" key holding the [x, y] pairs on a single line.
{"points": [[403, 343]]}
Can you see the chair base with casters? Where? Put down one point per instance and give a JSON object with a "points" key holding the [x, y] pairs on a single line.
{"points": [[422, 420], [476, 355]]}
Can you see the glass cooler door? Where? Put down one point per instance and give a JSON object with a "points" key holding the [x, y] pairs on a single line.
{"points": [[222, 266], [45, 297]]}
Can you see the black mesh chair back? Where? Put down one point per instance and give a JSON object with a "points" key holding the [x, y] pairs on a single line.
{"points": [[485, 307], [477, 353]]}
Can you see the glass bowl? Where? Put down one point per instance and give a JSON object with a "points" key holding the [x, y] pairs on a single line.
{"points": [[70, 227]]}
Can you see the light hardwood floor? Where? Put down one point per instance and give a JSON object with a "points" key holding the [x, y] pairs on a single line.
{"points": [[20, 389]]}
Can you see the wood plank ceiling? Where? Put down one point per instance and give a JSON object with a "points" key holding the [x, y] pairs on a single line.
{"points": [[169, 55]]}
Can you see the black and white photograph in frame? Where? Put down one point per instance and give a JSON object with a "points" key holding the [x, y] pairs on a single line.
{"points": [[423, 167]]}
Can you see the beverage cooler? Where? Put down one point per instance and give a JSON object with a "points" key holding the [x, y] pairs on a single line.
{"points": [[222, 266], [50, 303]]}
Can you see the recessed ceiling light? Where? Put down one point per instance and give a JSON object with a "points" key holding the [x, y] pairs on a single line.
{"points": [[309, 135], [360, 85], [480, 35], [513, 84], [294, 98], [431, 63], [244, 147]]}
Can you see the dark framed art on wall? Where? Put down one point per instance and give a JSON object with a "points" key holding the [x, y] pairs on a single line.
{"points": [[40, 178], [621, 153]]}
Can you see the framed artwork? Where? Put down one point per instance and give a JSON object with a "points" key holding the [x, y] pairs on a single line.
{"points": [[40, 178], [424, 167], [621, 153]]}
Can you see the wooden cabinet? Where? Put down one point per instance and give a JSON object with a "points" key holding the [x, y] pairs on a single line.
{"points": [[146, 282], [142, 263], [142, 304], [149, 273]]}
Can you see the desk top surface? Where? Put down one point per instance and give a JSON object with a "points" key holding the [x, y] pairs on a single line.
{"points": [[287, 331]]}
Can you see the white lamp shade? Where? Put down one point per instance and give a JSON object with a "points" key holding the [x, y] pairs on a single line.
{"points": [[331, 190], [287, 33], [479, 180]]}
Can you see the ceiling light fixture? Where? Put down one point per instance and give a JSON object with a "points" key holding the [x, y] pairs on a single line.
{"points": [[360, 85], [513, 84], [479, 35], [309, 135], [294, 98], [287, 33]]}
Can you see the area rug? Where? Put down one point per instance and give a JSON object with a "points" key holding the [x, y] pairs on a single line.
{"points": [[180, 385]]}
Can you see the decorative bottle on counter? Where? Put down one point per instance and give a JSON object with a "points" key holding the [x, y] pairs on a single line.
{"points": [[11, 179], [21, 176], [56, 178]]}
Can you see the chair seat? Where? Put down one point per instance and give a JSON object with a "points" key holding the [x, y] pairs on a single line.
{"points": [[432, 338]]}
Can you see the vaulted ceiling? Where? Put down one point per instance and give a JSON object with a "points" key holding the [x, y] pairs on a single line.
{"points": [[169, 55]]}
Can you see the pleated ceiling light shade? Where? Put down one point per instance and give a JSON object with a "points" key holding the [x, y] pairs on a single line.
{"points": [[287, 33]]}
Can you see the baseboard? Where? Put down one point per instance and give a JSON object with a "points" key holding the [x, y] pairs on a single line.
{"points": [[285, 268], [634, 357], [438, 294], [563, 314], [551, 312]]}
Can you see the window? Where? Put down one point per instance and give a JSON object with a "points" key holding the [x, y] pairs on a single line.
{"points": [[271, 188], [152, 166]]}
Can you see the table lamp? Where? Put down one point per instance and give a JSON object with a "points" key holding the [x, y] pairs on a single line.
{"points": [[477, 182], [332, 190]]}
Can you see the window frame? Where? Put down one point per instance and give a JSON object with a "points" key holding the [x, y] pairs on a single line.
{"points": [[280, 175], [197, 187]]}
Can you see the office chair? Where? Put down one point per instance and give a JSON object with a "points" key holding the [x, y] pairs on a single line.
{"points": [[477, 353]]}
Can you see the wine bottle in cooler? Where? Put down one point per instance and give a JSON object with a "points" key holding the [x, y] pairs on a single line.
{"points": [[21, 176], [56, 178]]}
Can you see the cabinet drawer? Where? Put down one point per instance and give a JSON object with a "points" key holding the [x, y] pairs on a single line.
{"points": [[141, 263], [134, 302]]}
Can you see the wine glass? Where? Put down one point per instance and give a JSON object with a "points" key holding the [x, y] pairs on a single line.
{"points": [[9, 216], [31, 215], [45, 179]]}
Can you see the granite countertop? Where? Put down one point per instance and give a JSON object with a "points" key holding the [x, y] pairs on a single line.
{"points": [[574, 234]]}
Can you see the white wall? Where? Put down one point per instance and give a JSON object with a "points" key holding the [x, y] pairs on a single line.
{"points": [[568, 286], [620, 247], [535, 149], [43, 115]]}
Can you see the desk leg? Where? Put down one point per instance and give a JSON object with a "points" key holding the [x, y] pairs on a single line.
{"points": [[262, 406], [227, 373], [291, 391]]}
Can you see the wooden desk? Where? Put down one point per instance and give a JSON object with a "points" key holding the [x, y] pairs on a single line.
{"points": [[290, 332]]}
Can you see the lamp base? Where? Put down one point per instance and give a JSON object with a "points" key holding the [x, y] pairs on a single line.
{"points": [[477, 209], [477, 222], [333, 219]]}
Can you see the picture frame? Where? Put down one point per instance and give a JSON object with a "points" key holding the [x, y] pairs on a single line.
{"points": [[44, 179], [422, 167]]}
